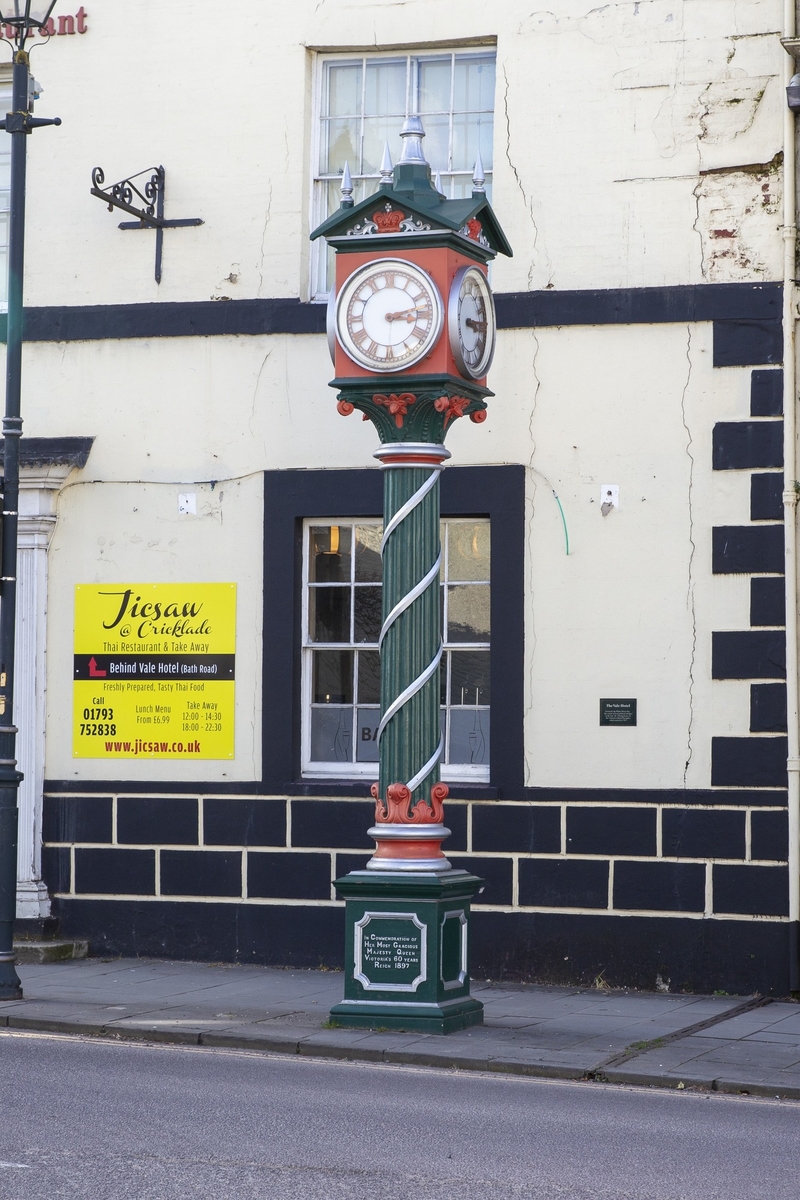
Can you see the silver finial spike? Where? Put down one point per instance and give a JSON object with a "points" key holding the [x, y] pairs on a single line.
{"points": [[386, 165], [478, 177], [437, 183], [347, 186], [412, 134]]}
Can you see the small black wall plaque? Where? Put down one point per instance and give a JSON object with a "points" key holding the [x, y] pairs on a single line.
{"points": [[617, 712]]}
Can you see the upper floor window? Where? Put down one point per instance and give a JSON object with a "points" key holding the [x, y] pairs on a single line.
{"points": [[363, 102]]}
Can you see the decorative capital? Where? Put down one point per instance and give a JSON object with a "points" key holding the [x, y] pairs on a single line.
{"points": [[422, 415], [395, 810]]}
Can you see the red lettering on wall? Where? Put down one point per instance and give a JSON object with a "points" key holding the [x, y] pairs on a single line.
{"points": [[66, 25]]}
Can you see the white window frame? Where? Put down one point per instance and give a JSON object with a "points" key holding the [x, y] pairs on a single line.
{"points": [[316, 207], [450, 773]]}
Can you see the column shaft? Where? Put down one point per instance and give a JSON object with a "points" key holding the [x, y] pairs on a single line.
{"points": [[413, 641]]}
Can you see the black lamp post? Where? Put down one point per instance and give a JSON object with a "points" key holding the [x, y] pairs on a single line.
{"points": [[23, 18]]}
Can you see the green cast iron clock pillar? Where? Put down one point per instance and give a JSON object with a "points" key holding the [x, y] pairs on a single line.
{"points": [[411, 328]]}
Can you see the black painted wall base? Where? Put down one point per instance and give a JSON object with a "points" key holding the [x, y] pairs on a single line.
{"points": [[738, 957]]}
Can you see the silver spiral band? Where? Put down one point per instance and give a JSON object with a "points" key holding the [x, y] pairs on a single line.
{"points": [[407, 693], [425, 771], [409, 598], [410, 504], [405, 603]]}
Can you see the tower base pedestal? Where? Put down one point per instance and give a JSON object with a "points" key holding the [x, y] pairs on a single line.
{"points": [[407, 951]]}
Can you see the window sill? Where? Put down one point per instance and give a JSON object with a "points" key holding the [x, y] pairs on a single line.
{"points": [[361, 788]]}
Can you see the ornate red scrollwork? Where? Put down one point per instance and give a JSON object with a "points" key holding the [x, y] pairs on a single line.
{"points": [[475, 229], [345, 407], [479, 416], [396, 811], [452, 406], [396, 404], [388, 220]]}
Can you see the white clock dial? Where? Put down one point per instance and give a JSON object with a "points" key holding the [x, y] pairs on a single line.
{"points": [[389, 315], [471, 322]]}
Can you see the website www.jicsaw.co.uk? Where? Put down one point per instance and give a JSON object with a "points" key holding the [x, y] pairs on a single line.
{"points": [[140, 747]]}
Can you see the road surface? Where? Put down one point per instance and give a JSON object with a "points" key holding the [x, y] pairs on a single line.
{"points": [[84, 1118]]}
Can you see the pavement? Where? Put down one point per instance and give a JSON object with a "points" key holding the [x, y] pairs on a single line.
{"points": [[719, 1043]]}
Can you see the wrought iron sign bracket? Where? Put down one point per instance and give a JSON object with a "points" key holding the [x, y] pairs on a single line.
{"points": [[151, 195]]}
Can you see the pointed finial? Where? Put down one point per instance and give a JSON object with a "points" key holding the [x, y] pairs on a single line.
{"points": [[412, 134], [478, 177], [347, 187], [386, 165], [437, 183]]}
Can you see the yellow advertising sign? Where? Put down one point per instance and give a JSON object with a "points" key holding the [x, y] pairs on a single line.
{"points": [[154, 670]]}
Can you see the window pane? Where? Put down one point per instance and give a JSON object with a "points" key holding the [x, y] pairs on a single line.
{"points": [[329, 553], [460, 186], [468, 613], [344, 89], [378, 131], [385, 88], [469, 677], [437, 142], [369, 568], [367, 615], [367, 720], [433, 93], [369, 677], [329, 614], [468, 550], [469, 133], [333, 198], [331, 735], [473, 85], [443, 679], [469, 736], [333, 677], [338, 145]]}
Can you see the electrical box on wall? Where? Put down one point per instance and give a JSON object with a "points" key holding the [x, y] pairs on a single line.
{"points": [[609, 497]]}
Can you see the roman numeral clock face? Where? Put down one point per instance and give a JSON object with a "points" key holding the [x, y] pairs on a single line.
{"points": [[471, 322], [389, 315]]}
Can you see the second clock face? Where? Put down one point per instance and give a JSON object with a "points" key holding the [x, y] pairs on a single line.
{"points": [[389, 315], [471, 322]]}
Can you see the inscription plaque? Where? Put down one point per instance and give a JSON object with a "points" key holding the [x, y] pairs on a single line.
{"points": [[617, 712], [390, 950]]}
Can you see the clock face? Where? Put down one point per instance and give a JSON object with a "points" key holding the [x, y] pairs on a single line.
{"points": [[389, 315], [471, 322]]}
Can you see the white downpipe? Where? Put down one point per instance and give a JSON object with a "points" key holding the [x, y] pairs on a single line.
{"points": [[790, 495]]}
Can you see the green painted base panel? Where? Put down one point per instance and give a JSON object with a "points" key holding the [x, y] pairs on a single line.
{"points": [[447, 1020], [407, 951]]}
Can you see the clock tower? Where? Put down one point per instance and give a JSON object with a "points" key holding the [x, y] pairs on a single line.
{"points": [[411, 330]]}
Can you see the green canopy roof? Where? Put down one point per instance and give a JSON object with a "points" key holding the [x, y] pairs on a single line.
{"points": [[423, 210]]}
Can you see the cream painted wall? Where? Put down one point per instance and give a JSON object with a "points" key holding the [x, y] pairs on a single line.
{"points": [[120, 533], [605, 117], [628, 613], [608, 120]]}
